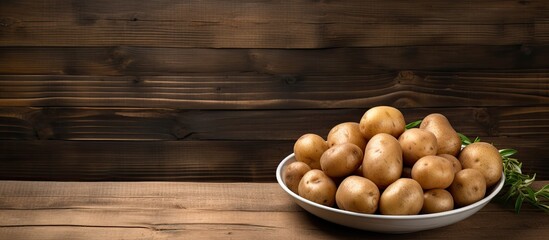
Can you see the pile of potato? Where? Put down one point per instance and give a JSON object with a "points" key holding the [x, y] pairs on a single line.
{"points": [[376, 166]]}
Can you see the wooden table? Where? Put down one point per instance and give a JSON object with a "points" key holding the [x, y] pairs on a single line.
{"points": [[192, 210]]}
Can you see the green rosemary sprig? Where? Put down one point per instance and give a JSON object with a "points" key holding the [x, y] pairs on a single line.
{"points": [[518, 184]]}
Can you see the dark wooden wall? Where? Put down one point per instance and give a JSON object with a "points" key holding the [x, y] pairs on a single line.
{"points": [[219, 90]]}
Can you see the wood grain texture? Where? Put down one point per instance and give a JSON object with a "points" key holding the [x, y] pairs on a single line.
{"points": [[155, 210], [245, 145], [275, 34], [402, 89], [219, 90], [138, 124], [139, 61], [215, 161], [272, 24], [486, 11]]}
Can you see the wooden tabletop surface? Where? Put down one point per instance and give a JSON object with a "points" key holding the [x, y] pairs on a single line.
{"points": [[198, 210]]}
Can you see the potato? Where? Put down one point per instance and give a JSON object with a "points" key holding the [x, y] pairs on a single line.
{"points": [[347, 132], [382, 119], [437, 200], [403, 197], [417, 143], [468, 187], [433, 172], [341, 160], [317, 187], [448, 140], [455, 162], [485, 158], [382, 162], [293, 173], [309, 148], [357, 194]]}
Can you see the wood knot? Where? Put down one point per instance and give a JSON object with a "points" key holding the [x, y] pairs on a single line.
{"points": [[405, 102], [136, 80], [405, 76], [483, 118], [119, 57], [8, 22], [134, 17], [289, 79]]}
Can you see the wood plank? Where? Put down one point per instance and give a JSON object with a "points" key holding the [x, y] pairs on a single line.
{"points": [[196, 34], [204, 211], [273, 24], [144, 124], [486, 11], [144, 195], [399, 88], [144, 161], [142, 61], [211, 161], [153, 195]]}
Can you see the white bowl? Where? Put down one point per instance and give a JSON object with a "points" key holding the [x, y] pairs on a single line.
{"points": [[385, 223]]}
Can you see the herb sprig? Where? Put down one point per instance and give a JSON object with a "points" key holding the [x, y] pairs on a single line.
{"points": [[517, 185]]}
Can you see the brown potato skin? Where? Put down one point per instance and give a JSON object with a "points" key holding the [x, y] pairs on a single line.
{"points": [[382, 162], [309, 148], [417, 143], [382, 119], [448, 140], [317, 187], [293, 173], [341, 160], [403, 197], [455, 162], [357, 194], [468, 187], [485, 158], [433, 172], [437, 200], [347, 132]]}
